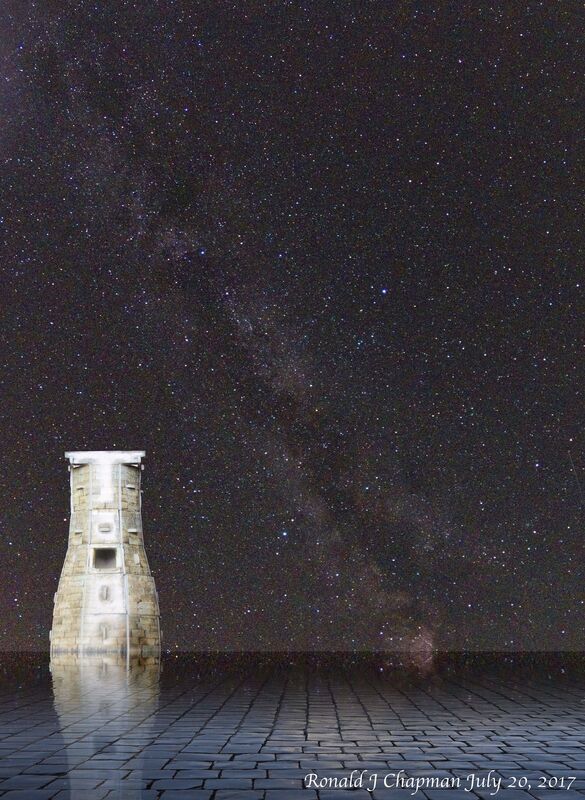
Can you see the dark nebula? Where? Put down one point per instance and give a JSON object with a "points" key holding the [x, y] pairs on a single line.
{"points": [[324, 263]]}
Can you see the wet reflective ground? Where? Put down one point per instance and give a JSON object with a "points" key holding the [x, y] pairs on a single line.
{"points": [[255, 726]]}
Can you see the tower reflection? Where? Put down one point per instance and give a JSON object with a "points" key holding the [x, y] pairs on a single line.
{"points": [[106, 705]]}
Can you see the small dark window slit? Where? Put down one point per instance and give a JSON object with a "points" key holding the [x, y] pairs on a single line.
{"points": [[105, 527]]}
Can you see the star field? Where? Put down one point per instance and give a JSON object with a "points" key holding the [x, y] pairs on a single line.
{"points": [[324, 263]]}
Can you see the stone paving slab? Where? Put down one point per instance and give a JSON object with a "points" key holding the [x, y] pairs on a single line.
{"points": [[258, 730]]}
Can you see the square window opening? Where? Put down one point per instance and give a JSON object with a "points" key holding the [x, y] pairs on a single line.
{"points": [[104, 558]]}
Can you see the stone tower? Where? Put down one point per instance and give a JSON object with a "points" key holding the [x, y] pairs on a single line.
{"points": [[106, 601]]}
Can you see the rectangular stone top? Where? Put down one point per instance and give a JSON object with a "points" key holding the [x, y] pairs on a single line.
{"points": [[105, 456]]}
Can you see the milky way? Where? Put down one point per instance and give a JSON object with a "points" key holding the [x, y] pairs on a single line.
{"points": [[324, 264]]}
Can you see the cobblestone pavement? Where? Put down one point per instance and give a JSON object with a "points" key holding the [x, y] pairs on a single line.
{"points": [[255, 727]]}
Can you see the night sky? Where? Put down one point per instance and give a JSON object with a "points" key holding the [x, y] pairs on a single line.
{"points": [[324, 263]]}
